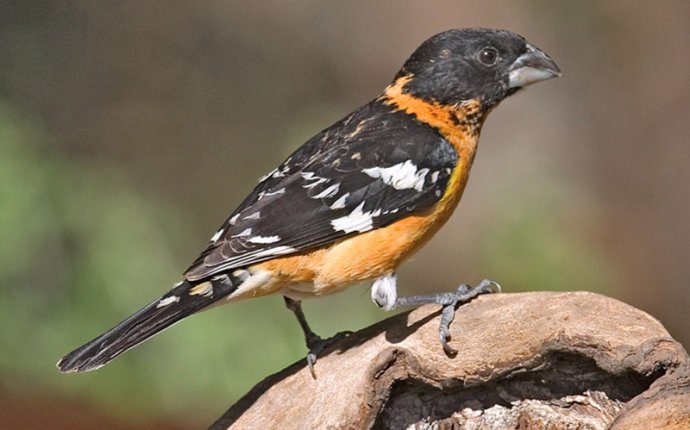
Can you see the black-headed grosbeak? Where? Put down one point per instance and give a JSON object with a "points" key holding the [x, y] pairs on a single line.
{"points": [[357, 199]]}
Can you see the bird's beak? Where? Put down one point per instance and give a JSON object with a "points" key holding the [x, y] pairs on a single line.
{"points": [[530, 67]]}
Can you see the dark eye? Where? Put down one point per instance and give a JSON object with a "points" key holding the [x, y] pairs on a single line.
{"points": [[488, 56]]}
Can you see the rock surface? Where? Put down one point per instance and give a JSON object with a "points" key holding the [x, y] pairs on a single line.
{"points": [[527, 361]]}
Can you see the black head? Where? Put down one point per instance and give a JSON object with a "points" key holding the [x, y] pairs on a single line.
{"points": [[475, 63]]}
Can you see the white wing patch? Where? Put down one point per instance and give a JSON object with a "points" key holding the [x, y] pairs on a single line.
{"points": [[244, 233], [278, 250], [264, 239], [268, 175], [357, 220], [401, 176], [275, 173], [315, 180], [217, 235], [264, 194], [328, 192], [340, 203]]}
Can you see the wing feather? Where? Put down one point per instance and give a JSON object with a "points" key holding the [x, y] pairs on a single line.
{"points": [[372, 168]]}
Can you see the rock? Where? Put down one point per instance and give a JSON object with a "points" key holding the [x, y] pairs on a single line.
{"points": [[527, 361]]}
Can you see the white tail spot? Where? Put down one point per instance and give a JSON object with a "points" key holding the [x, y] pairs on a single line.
{"points": [[167, 301]]}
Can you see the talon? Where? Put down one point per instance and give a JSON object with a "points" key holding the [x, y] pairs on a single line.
{"points": [[447, 315], [317, 345], [445, 337], [311, 360], [489, 286], [449, 350]]}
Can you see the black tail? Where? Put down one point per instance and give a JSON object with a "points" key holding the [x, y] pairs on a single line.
{"points": [[183, 300]]}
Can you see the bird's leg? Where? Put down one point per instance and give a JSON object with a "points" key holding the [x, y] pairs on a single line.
{"points": [[315, 343], [384, 294]]}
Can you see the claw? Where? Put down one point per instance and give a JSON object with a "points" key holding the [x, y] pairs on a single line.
{"points": [[487, 286], [311, 361], [316, 346], [447, 315]]}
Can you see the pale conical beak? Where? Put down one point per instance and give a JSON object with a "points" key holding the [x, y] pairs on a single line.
{"points": [[531, 67]]}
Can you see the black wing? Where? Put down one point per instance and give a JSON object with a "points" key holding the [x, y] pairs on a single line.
{"points": [[370, 169]]}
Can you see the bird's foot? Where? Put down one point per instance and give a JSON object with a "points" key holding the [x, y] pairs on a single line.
{"points": [[464, 294], [317, 345], [450, 301]]}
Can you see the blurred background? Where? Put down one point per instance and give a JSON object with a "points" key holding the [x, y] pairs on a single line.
{"points": [[129, 130]]}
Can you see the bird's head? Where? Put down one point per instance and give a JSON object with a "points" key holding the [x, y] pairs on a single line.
{"points": [[474, 64]]}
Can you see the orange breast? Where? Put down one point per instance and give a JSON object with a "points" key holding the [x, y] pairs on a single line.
{"points": [[372, 254], [367, 255]]}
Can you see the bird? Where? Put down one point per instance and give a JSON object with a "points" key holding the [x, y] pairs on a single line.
{"points": [[356, 200]]}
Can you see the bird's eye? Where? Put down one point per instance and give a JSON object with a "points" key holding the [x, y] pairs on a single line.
{"points": [[488, 56]]}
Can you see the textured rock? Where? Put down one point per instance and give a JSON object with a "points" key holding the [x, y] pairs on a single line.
{"points": [[526, 361]]}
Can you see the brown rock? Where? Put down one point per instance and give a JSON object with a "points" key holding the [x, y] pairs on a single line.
{"points": [[526, 361]]}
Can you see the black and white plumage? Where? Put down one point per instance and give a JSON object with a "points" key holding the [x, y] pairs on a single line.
{"points": [[366, 171]]}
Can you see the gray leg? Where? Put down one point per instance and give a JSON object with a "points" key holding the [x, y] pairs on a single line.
{"points": [[314, 343], [384, 295]]}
